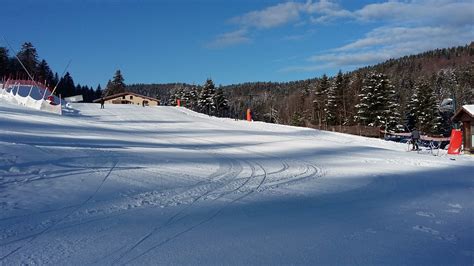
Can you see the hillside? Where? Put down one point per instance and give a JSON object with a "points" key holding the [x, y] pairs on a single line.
{"points": [[141, 186], [450, 72]]}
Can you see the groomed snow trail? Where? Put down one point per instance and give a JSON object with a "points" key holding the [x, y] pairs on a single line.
{"points": [[165, 185]]}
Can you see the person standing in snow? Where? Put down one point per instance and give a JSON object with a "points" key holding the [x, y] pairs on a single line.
{"points": [[102, 101], [415, 136]]}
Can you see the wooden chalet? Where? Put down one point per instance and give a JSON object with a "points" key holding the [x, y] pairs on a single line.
{"points": [[129, 98], [465, 115]]}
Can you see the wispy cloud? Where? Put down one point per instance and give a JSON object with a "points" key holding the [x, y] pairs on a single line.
{"points": [[404, 27], [270, 17], [229, 39], [410, 27], [419, 12], [385, 43], [325, 11], [276, 16], [392, 35], [288, 12]]}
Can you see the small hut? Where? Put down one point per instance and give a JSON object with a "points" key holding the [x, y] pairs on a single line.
{"points": [[465, 115]]}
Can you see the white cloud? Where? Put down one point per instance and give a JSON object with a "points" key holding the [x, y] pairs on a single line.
{"points": [[270, 17], [425, 24], [275, 16], [450, 12], [385, 43], [284, 13], [230, 38], [410, 27], [419, 12], [325, 11], [393, 35], [351, 59]]}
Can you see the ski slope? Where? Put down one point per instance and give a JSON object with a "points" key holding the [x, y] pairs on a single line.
{"points": [[165, 185]]}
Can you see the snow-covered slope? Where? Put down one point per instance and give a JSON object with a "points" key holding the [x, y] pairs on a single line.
{"points": [[164, 185]]}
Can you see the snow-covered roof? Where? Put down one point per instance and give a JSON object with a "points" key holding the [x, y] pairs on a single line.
{"points": [[466, 109], [469, 108]]}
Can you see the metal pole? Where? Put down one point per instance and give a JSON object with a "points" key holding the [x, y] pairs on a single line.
{"points": [[29, 93]]}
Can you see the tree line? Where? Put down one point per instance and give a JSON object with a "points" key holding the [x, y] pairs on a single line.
{"points": [[396, 95], [10, 68], [206, 99]]}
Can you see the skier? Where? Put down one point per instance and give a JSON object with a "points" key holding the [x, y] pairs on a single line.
{"points": [[102, 101], [415, 136]]}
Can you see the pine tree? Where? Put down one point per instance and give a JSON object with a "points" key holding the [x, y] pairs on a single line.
{"points": [[55, 80], [428, 114], [186, 98], [179, 93], [115, 86], [45, 75], [330, 106], [413, 109], [193, 98], [340, 84], [29, 57], [221, 103], [389, 107], [66, 86], [4, 62], [319, 102], [206, 103], [108, 88], [98, 92], [366, 107], [297, 119], [378, 105]]}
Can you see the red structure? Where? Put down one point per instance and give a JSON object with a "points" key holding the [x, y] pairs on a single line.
{"points": [[456, 142], [249, 115]]}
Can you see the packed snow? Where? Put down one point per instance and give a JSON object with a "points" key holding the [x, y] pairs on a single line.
{"points": [[165, 185]]}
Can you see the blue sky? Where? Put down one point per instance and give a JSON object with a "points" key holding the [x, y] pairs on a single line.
{"points": [[230, 41]]}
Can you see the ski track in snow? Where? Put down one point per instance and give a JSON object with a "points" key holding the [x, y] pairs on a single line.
{"points": [[173, 164], [222, 183], [285, 166], [36, 236]]}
